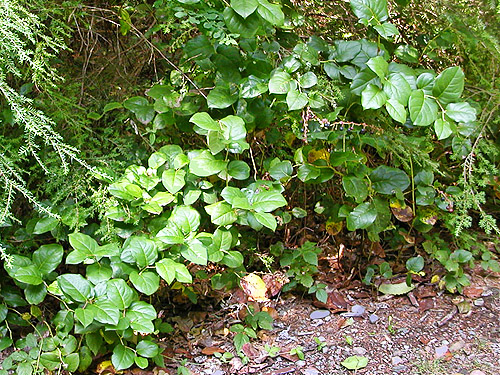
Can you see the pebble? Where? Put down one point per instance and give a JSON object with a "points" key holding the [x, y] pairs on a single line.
{"points": [[218, 372], [373, 318], [399, 368], [311, 371], [477, 372], [441, 351], [397, 353], [479, 302], [319, 314], [359, 350], [457, 345], [396, 360], [300, 363], [356, 310]]}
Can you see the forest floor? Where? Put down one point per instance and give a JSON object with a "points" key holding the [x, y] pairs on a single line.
{"points": [[426, 332]]}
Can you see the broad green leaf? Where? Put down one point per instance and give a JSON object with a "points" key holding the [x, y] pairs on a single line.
{"points": [[122, 357], [105, 312], [397, 87], [282, 169], [363, 79], [45, 224], [423, 109], [355, 362], [373, 97], [141, 309], [308, 80], [252, 86], [442, 128], [372, 10], [235, 197], [233, 259], [267, 201], [379, 66], [139, 250], [425, 81], [146, 282], [162, 198], [233, 128], [191, 196], [141, 362], [246, 27], [195, 252], [280, 83], [156, 160], [205, 165], [173, 180], [147, 349], [239, 340], [23, 368], [35, 294], [296, 100], [271, 12], [204, 121], [141, 108], [171, 234], [461, 112], [119, 293], [415, 264], [186, 218], [75, 286], [388, 180], [395, 289], [355, 187], [386, 30], [244, 7], [238, 169], [221, 97], [396, 110], [307, 172], [449, 85], [266, 219], [47, 258], [85, 316], [361, 217], [310, 257], [166, 269], [407, 54], [199, 48], [345, 50], [338, 158], [84, 244], [221, 213]]}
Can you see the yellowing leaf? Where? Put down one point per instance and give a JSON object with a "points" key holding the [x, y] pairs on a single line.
{"points": [[334, 227], [318, 154], [254, 287]]}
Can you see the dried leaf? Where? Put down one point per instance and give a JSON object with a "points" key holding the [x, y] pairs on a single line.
{"points": [[402, 212], [275, 282], [472, 292], [211, 350], [426, 304], [395, 289], [250, 351], [377, 249], [254, 287]]}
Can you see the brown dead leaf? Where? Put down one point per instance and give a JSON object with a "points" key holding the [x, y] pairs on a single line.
{"points": [[412, 299], [424, 291], [105, 367], [271, 311], [275, 282], [197, 316], [472, 292], [211, 350], [401, 211], [290, 357], [250, 351], [426, 304], [377, 249], [254, 287], [335, 302]]}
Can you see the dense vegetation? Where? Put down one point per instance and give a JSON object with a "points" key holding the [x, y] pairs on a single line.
{"points": [[151, 148]]}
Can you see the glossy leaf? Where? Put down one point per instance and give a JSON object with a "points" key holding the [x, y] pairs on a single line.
{"points": [[449, 85], [280, 83], [271, 12], [361, 217], [47, 258], [244, 7], [75, 286], [173, 180], [139, 250], [119, 293], [423, 109], [388, 180], [221, 213], [146, 282], [267, 201], [122, 357], [205, 165], [373, 97], [442, 128], [296, 100], [396, 110], [461, 112]]}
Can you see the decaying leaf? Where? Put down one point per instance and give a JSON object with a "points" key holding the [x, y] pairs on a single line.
{"points": [[395, 289], [377, 249], [472, 292], [275, 282], [211, 350], [334, 227], [254, 287], [402, 212]]}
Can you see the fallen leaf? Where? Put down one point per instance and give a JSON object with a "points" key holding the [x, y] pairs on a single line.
{"points": [[395, 289], [413, 300], [211, 350], [275, 282], [426, 304], [424, 291], [377, 249], [355, 362], [271, 311], [333, 227], [250, 351], [254, 287], [105, 367], [472, 292]]}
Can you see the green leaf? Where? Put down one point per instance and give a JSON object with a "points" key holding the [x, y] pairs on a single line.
{"points": [[361, 217], [98, 272], [355, 362], [296, 100], [141, 362], [238, 169], [169, 269], [105, 312], [442, 128], [221, 97], [139, 250], [112, 105], [195, 252], [191, 196], [239, 340], [233, 128], [221, 213], [23, 368], [35, 294], [156, 160], [388, 180], [379, 66], [162, 198], [449, 85], [233, 259], [147, 349], [386, 30], [266, 219], [373, 10], [122, 357], [461, 112], [85, 316], [423, 109], [119, 293], [267, 201], [415, 264], [397, 87], [282, 169], [205, 165], [75, 286], [173, 180], [244, 7], [141, 108], [246, 27], [355, 187], [171, 234], [271, 13], [396, 110], [45, 224], [199, 48], [310, 257], [47, 258], [407, 54], [204, 121], [395, 289], [373, 97], [308, 80], [252, 86], [146, 282], [337, 158], [83, 244], [28, 275], [186, 218], [307, 172], [280, 83]]}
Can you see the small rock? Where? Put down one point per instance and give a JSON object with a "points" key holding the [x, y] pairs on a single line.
{"points": [[441, 351], [373, 318], [457, 345], [218, 372], [397, 353], [319, 314], [487, 293], [399, 368], [477, 372], [356, 310], [479, 302], [396, 360], [359, 350], [310, 371], [300, 363]]}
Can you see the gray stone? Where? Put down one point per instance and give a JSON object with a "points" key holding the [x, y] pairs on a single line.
{"points": [[356, 310], [300, 363], [311, 371], [359, 350], [319, 314], [373, 318], [441, 351], [218, 372], [479, 302], [396, 360], [399, 368]]}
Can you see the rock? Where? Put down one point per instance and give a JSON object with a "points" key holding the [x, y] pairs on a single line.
{"points": [[300, 363], [356, 310], [319, 314], [477, 372], [218, 372], [396, 360], [399, 368], [479, 302], [457, 345], [373, 318], [441, 351], [310, 371], [397, 353], [359, 350]]}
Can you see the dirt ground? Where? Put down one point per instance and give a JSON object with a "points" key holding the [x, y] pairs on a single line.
{"points": [[425, 332]]}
